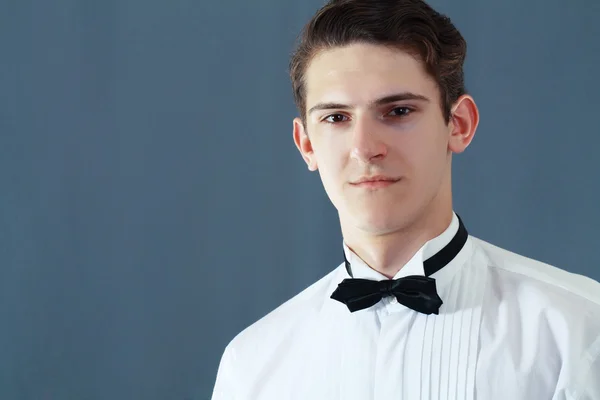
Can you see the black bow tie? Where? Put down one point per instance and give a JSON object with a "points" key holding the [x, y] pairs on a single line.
{"points": [[416, 292]]}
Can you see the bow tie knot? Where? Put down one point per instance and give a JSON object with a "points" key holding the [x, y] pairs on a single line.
{"points": [[386, 287]]}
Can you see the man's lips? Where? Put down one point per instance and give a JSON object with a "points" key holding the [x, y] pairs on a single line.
{"points": [[378, 181]]}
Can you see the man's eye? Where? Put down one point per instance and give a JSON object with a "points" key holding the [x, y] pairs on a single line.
{"points": [[400, 111], [335, 118]]}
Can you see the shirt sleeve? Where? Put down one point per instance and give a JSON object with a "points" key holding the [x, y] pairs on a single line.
{"points": [[588, 386], [224, 384]]}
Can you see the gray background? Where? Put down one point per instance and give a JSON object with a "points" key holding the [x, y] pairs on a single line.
{"points": [[153, 203]]}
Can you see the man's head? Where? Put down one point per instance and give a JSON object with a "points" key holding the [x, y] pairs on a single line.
{"points": [[380, 91]]}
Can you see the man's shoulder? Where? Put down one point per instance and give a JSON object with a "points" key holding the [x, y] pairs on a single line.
{"points": [[288, 316], [520, 272], [553, 310]]}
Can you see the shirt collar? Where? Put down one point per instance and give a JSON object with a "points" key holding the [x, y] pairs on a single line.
{"points": [[415, 265]]}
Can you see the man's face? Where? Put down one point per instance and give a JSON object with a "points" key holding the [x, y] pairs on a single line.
{"points": [[374, 114]]}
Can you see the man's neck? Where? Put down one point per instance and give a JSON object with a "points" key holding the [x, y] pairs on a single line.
{"points": [[388, 253]]}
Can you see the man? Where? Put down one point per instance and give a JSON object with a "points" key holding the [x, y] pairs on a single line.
{"points": [[419, 309]]}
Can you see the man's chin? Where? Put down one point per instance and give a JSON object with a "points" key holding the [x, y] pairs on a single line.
{"points": [[377, 224]]}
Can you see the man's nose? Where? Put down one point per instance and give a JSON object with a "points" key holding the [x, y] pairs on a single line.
{"points": [[366, 143]]}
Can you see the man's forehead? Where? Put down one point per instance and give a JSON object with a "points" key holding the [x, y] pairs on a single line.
{"points": [[364, 73]]}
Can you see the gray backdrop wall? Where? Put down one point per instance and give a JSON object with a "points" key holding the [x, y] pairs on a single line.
{"points": [[153, 204]]}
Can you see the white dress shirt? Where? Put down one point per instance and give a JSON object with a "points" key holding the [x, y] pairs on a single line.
{"points": [[510, 328]]}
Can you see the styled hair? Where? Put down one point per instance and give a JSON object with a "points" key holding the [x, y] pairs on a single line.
{"points": [[408, 25]]}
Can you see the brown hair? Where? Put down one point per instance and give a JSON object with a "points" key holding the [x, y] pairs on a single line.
{"points": [[409, 25]]}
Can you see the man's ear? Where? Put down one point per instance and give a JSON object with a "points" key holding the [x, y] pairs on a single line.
{"points": [[464, 119], [304, 144]]}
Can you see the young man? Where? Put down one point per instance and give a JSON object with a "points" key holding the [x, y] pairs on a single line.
{"points": [[419, 309]]}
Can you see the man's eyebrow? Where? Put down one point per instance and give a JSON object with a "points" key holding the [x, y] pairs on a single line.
{"points": [[399, 97], [379, 102], [328, 106]]}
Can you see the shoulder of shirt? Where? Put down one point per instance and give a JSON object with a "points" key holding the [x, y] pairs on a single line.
{"points": [[543, 275], [292, 313]]}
